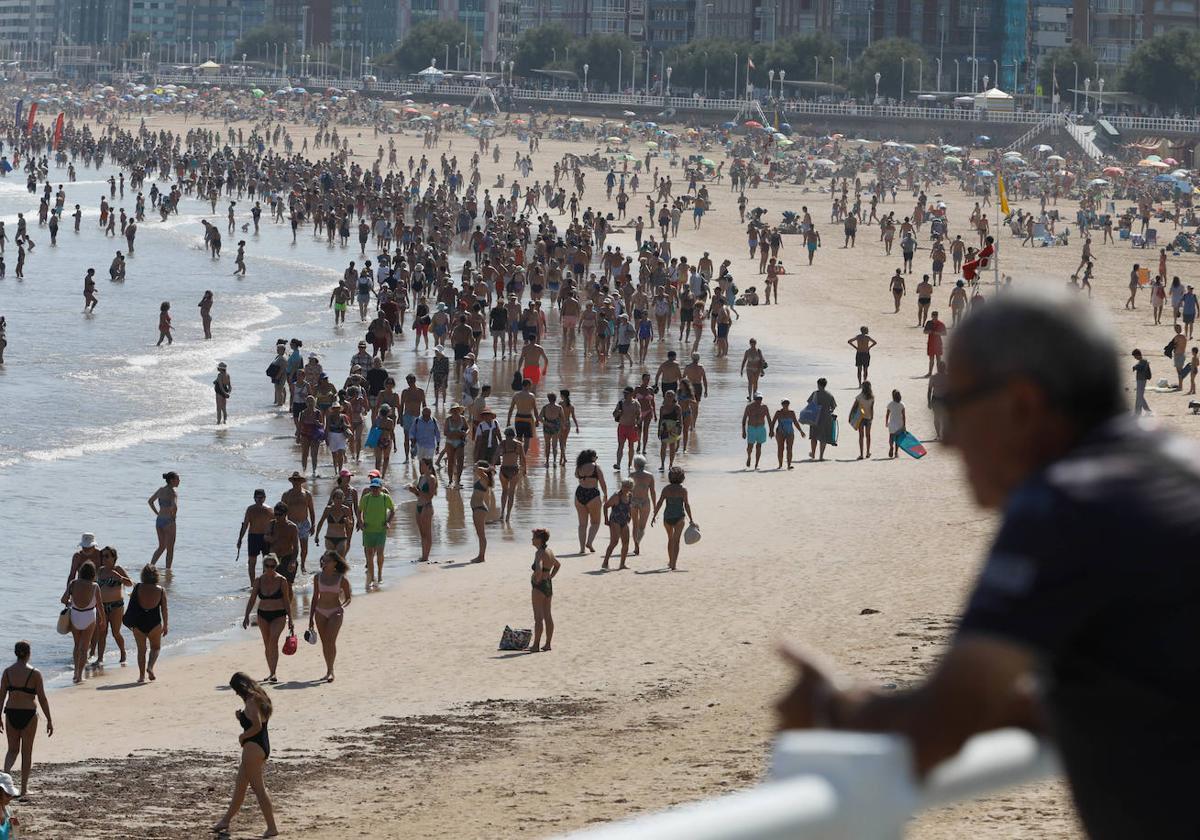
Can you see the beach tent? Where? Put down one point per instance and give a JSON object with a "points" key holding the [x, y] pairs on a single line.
{"points": [[994, 100], [209, 67]]}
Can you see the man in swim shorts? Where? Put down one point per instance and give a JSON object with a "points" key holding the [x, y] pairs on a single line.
{"points": [[257, 520], [533, 362], [301, 513], [525, 404], [754, 428]]}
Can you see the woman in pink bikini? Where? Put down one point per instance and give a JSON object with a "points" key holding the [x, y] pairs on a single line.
{"points": [[331, 594]]}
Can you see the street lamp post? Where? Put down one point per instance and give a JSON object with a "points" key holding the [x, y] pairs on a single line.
{"points": [[902, 58], [705, 54], [878, 76], [770, 82], [1087, 94], [782, 76], [996, 64], [620, 61], [1100, 98], [1075, 90], [708, 7], [832, 67], [447, 62], [735, 75], [956, 75], [939, 75], [668, 88], [585, 75], [920, 75]]}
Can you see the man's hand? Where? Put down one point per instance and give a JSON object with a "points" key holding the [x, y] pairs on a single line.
{"points": [[809, 704]]}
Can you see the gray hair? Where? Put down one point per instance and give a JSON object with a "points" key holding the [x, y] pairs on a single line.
{"points": [[1057, 342]]}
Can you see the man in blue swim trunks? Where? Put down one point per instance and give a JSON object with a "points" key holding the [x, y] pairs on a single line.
{"points": [[754, 428]]}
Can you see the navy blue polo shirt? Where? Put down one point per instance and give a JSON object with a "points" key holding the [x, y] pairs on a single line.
{"points": [[1095, 569]]}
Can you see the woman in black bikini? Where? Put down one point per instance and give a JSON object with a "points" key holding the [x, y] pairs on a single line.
{"points": [[340, 519], [112, 580], [480, 493], [512, 465], [331, 594], [618, 511], [274, 597], [425, 489], [590, 496], [545, 567], [256, 748], [20, 686], [146, 615]]}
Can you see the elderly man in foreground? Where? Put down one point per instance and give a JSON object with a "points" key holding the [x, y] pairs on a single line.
{"points": [[1085, 618]]}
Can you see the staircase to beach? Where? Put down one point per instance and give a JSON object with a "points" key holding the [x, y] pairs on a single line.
{"points": [[1085, 137]]}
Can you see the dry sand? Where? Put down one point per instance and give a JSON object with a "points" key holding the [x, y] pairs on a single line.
{"points": [[660, 686]]}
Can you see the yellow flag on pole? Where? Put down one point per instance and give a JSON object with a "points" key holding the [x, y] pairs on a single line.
{"points": [[1001, 194]]}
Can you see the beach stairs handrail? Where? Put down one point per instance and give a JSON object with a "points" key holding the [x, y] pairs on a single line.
{"points": [[1049, 122], [843, 786], [1083, 137]]}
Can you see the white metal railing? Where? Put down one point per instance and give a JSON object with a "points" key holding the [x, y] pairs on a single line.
{"points": [[785, 107], [843, 786], [1033, 133]]}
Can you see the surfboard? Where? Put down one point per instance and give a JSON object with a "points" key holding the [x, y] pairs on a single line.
{"points": [[911, 446]]}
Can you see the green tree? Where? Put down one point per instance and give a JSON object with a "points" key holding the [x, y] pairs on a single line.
{"points": [[426, 42], [538, 48], [1164, 70], [799, 56], [884, 57], [1063, 61], [600, 53], [258, 44], [718, 56]]}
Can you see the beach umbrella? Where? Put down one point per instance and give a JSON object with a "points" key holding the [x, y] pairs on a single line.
{"points": [[823, 162], [1097, 182], [1147, 163], [1181, 173], [1029, 173], [411, 110], [753, 124], [1042, 147], [1113, 170], [1154, 158], [985, 173], [652, 144], [488, 123], [628, 114], [650, 124], [1056, 158], [729, 124], [1164, 178], [257, 93], [952, 159], [707, 162], [627, 157], [1171, 161], [615, 139], [983, 138], [891, 144]]}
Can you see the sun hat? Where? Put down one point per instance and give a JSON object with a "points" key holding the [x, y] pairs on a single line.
{"points": [[296, 476], [376, 482], [87, 540], [6, 784]]}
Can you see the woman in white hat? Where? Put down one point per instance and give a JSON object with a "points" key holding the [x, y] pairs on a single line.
{"points": [[8, 823]]}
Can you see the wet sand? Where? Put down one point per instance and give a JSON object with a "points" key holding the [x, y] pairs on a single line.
{"points": [[659, 687]]}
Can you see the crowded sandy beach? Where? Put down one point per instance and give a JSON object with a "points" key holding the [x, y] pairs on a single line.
{"points": [[387, 398]]}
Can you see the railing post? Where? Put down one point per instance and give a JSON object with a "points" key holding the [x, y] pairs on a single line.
{"points": [[872, 775]]}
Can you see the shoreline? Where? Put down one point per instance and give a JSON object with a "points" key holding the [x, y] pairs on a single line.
{"points": [[659, 688]]}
